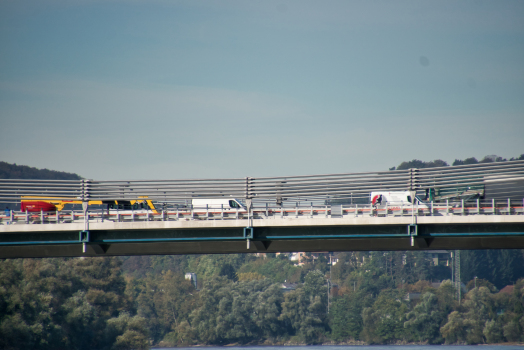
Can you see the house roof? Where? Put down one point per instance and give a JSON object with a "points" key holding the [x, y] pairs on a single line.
{"points": [[507, 290]]}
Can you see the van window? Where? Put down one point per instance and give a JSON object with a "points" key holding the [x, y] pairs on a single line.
{"points": [[409, 199], [233, 204]]}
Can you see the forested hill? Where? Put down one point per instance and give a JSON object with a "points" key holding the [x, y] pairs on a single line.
{"points": [[13, 171], [420, 164]]}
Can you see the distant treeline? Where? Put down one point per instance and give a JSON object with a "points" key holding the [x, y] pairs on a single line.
{"points": [[415, 163], [13, 171]]}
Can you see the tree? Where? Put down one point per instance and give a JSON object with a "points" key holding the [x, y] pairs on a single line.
{"points": [[498, 266], [384, 321], [60, 303], [346, 315], [126, 332], [424, 321], [238, 312], [472, 325], [304, 309], [415, 163], [454, 331], [466, 161]]}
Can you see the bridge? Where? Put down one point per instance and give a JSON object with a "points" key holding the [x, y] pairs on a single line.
{"points": [[477, 206]]}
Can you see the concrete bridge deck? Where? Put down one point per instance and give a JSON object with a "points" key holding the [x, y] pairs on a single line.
{"points": [[288, 234]]}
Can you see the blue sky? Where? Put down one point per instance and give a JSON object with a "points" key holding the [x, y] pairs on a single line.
{"points": [[163, 89]]}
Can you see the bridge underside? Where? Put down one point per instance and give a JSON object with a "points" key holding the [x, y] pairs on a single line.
{"points": [[222, 240]]}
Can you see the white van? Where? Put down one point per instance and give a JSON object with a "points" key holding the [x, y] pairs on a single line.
{"points": [[218, 203], [397, 198]]}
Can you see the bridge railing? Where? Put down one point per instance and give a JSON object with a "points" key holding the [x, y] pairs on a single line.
{"points": [[500, 180], [266, 212]]}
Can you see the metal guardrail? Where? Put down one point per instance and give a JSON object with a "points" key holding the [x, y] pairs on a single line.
{"points": [[501, 180], [478, 207]]}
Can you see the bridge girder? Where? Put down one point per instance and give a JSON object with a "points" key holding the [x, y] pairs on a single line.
{"points": [[261, 240]]}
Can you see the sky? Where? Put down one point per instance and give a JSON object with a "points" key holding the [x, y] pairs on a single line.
{"points": [[167, 89]]}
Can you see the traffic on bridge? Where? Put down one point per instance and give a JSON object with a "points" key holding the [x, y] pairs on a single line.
{"points": [[469, 206]]}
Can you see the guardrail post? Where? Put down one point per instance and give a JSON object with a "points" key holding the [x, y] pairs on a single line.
{"points": [[249, 198], [85, 207]]}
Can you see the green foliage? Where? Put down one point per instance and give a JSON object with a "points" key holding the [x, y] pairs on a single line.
{"points": [[61, 303], [424, 321], [165, 301], [276, 269], [477, 322], [500, 267], [415, 163], [226, 265], [302, 315], [87, 303], [466, 161], [346, 316], [384, 321], [454, 331], [126, 332], [234, 312]]}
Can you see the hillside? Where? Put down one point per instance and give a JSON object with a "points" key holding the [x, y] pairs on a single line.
{"points": [[14, 171]]}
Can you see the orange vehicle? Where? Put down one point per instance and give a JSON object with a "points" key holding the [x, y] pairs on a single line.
{"points": [[37, 204]]}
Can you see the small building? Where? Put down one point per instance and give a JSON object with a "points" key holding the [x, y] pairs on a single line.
{"points": [[412, 296], [288, 287], [192, 277], [440, 257]]}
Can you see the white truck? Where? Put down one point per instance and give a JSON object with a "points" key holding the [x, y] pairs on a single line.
{"points": [[397, 198], [218, 203]]}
